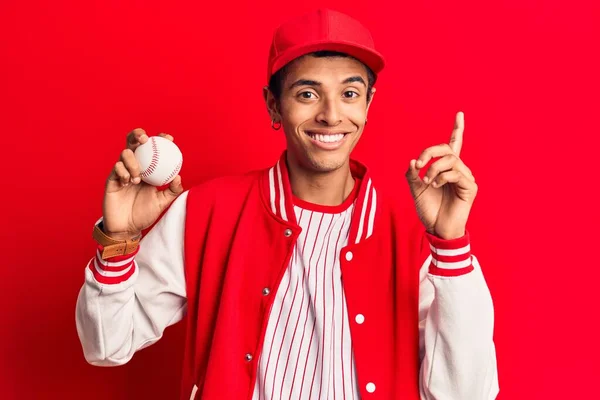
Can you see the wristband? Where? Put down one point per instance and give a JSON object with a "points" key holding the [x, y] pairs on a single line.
{"points": [[114, 247]]}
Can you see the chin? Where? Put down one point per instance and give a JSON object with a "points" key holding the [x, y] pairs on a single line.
{"points": [[326, 162]]}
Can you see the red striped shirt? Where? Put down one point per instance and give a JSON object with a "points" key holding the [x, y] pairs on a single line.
{"points": [[307, 351]]}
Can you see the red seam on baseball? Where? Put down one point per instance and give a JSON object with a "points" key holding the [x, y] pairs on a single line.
{"points": [[153, 163], [175, 171]]}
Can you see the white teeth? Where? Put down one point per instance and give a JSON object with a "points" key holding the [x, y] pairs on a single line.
{"points": [[327, 138]]}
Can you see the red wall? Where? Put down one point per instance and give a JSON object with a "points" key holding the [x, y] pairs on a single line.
{"points": [[75, 77]]}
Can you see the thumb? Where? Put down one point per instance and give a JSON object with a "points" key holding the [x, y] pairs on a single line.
{"points": [[412, 176], [169, 194]]}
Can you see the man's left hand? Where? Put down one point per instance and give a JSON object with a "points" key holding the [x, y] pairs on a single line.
{"points": [[443, 198]]}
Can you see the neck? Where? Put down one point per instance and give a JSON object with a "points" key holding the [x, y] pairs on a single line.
{"points": [[322, 188]]}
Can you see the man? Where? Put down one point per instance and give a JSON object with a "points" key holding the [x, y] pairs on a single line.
{"points": [[300, 281]]}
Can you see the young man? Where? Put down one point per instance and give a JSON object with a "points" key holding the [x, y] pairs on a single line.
{"points": [[303, 280]]}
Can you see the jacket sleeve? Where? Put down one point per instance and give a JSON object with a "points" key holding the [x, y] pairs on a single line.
{"points": [[456, 324], [126, 302]]}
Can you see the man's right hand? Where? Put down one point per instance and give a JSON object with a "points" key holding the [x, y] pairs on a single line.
{"points": [[131, 205]]}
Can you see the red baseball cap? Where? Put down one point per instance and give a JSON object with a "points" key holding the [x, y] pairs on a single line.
{"points": [[322, 29]]}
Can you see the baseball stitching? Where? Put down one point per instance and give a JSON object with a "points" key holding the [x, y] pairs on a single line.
{"points": [[153, 164], [175, 171]]}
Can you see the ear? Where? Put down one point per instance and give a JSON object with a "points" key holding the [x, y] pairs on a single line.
{"points": [[271, 103], [371, 99]]}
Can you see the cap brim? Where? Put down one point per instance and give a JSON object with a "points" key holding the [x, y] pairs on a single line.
{"points": [[369, 57]]}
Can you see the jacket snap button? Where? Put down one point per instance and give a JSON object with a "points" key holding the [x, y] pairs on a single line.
{"points": [[360, 319], [370, 387], [288, 233], [266, 291], [349, 256], [248, 357]]}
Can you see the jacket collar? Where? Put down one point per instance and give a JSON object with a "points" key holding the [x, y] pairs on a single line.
{"points": [[277, 193]]}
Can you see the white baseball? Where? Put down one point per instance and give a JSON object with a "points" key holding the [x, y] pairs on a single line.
{"points": [[160, 160]]}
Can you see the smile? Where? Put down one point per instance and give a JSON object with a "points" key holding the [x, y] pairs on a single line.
{"points": [[330, 138], [327, 141]]}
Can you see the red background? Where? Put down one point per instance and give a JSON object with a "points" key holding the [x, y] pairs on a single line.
{"points": [[77, 76]]}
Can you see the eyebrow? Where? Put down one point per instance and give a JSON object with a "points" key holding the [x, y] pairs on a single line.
{"points": [[309, 82]]}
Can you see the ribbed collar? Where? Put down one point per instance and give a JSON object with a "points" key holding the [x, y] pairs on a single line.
{"points": [[277, 193]]}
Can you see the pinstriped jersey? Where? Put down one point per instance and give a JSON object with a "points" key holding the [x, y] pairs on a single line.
{"points": [[307, 351]]}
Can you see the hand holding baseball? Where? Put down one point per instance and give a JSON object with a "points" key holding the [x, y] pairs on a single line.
{"points": [[130, 203]]}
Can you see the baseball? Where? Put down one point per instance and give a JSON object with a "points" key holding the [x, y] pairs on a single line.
{"points": [[160, 160]]}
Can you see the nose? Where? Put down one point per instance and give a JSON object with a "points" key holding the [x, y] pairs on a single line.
{"points": [[330, 113]]}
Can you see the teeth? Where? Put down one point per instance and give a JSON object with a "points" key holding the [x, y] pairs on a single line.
{"points": [[327, 138]]}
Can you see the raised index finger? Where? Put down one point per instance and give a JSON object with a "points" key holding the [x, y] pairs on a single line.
{"points": [[135, 138], [456, 139]]}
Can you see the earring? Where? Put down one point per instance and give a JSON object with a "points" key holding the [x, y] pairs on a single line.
{"points": [[275, 125], [366, 120]]}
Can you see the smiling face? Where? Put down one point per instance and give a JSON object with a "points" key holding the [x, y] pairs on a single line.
{"points": [[322, 108]]}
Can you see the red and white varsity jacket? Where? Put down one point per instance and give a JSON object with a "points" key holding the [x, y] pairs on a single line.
{"points": [[427, 318]]}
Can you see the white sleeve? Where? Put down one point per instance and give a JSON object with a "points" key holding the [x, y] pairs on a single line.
{"points": [[125, 305], [456, 324]]}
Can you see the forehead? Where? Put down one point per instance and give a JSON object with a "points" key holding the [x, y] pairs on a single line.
{"points": [[330, 70]]}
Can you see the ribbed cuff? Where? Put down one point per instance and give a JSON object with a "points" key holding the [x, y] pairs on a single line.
{"points": [[450, 257], [113, 270]]}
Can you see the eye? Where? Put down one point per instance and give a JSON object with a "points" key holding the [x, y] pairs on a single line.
{"points": [[306, 95], [349, 94]]}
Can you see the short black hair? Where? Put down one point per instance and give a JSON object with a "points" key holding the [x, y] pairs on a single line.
{"points": [[277, 79]]}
